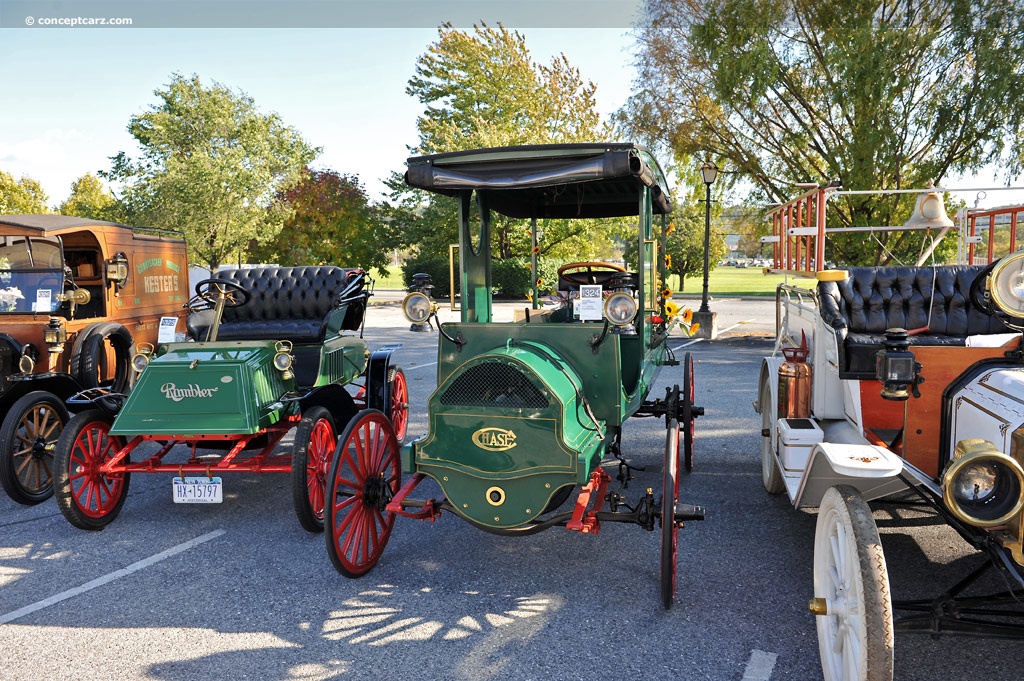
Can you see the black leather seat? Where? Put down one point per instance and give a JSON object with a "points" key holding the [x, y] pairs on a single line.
{"points": [[300, 304], [874, 299]]}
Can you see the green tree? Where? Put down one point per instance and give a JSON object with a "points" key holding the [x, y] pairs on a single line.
{"points": [[89, 199], [211, 166], [882, 94], [21, 196], [480, 89], [684, 243], [331, 222]]}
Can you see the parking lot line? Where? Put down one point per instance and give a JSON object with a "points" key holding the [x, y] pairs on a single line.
{"points": [[759, 666], [106, 579], [694, 341]]}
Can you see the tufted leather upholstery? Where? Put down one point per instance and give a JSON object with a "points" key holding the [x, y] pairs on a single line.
{"points": [[299, 304], [874, 299]]}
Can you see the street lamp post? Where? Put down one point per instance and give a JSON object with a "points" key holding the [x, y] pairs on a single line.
{"points": [[707, 318]]}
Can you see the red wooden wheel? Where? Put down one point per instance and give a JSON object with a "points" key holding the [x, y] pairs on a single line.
{"points": [[365, 474], [399, 389], [315, 441], [88, 499]]}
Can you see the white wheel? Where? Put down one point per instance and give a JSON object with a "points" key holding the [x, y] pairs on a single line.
{"points": [[851, 589], [771, 475]]}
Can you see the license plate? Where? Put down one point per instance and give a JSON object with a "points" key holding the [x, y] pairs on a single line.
{"points": [[197, 490]]}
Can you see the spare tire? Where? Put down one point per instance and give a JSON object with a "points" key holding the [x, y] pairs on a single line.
{"points": [[88, 364]]}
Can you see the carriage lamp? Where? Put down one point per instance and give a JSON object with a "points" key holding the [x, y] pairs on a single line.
{"points": [[55, 335], [418, 308], [117, 271], [895, 365], [283, 359], [983, 486], [1006, 285], [27, 361], [620, 310], [143, 353]]}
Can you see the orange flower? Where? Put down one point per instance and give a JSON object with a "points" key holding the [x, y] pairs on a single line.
{"points": [[694, 328], [688, 315]]}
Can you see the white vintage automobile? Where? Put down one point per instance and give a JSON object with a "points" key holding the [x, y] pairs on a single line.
{"points": [[897, 381]]}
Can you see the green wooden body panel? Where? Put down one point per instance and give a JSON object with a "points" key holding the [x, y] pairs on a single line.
{"points": [[524, 454], [223, 387], [499, 461], [615, 380], [342, 360]]}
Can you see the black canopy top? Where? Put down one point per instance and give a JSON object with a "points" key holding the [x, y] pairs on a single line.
{"points": [[548, 181]]}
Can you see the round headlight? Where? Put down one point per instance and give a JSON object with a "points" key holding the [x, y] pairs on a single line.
{"points": [[984, 488], [283, 361], [416, 308], [1006, 285], [620, 308], [140, 362]]}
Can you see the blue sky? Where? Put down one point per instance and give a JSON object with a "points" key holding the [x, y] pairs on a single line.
{"points": [[69, 93]]}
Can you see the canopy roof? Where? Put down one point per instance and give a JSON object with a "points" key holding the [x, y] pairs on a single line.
{"points": [[548, 181]]}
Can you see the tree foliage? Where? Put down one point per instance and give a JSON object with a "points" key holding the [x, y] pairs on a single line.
{"points": [[331, 222], [89, 198], [24, 195], [482, 88], [883, 94], [211, 166]]}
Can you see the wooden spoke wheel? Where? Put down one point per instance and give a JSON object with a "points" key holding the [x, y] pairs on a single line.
{"points": [[771, 475], [669, 531], [315, 441], [398, 390], [27, 440], [851, 589], [365, 475], [88, 498]]}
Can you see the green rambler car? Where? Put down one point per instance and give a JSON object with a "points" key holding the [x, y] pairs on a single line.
{"points": [[270, 350]]}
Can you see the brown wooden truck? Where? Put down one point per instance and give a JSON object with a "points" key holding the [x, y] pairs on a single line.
{"points": [[76, 296]]}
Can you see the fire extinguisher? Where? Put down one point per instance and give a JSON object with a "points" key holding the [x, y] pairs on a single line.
{"points": [[795, 382]]}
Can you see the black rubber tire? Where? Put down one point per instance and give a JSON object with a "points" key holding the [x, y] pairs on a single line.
{"points": [[70, 473], [89, 356], [29, 433], [669, 531], [688, 416], [304, 497]]}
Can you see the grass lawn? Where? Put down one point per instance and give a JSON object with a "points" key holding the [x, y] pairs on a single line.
{"points": [[392, 281], [735, 281]]}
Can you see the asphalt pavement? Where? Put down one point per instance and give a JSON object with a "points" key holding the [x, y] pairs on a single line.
{"points": [[239, 590]]}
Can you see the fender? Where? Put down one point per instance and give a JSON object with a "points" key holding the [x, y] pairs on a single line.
{"points": [[872, 470], [377, 394]]}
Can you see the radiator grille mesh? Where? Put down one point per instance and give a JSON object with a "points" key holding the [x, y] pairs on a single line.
{"points": [[493, 384]]}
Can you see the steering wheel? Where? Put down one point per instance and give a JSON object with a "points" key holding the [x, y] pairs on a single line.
{"points": [[588, 272], [212, 290]]}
